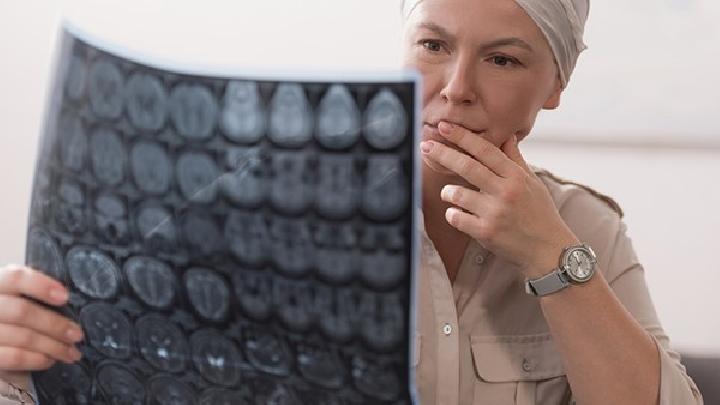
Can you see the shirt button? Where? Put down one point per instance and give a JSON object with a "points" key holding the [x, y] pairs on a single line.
{"points": [[479, 259], [447, 329], [527, 365]]}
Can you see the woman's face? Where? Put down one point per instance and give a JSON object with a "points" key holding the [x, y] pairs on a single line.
{"points": [[485, 65]]}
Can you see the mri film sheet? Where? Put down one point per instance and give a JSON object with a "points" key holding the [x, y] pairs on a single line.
{"points": [[226, 239]]}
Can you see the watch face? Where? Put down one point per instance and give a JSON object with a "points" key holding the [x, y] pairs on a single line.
{"points": [[580, 264]]}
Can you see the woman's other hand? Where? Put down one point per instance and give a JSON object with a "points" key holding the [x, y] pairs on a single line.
{"points": [[33, 337]]}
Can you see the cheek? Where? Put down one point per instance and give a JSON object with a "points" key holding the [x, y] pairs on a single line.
{"points": [[432, 82], [511, 110]]}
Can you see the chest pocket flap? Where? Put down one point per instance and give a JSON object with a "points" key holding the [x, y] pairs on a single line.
{"points": [[516, 358]]}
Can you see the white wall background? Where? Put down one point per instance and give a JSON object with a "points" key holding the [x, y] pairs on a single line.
{"points": [[639, 121]]}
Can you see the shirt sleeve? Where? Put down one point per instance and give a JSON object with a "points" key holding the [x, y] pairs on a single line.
{"points": [[676, 387]]}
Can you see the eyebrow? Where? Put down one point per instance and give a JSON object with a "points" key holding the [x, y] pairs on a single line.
{"points": [[496, 43]]}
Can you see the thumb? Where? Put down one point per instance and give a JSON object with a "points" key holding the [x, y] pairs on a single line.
{"points": [[511, 149]]}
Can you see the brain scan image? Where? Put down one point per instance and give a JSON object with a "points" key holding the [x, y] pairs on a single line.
{"points": [[254, 293], [338, 186], [119, 386], [166, 390], [93, 272], [193, 111], [152, 281], [291, 117], [339, 119], [375, 378], [151, 167], [107, 329], [278, 394], [382, 269], [215, 357], [337, 258], [291, 191], [248, 237], [321, 366], [74, 148], [111, 218], [336, 309], [60, 377], [221, 396], [292, 247], [197, 176], [244, 181], [244, 117], [382, 323], [147, 102], [106, 89], [107, 155], [383, 197], [202, 234], [70, 209], [269, 353], [293, 300], [44, 254], [76, 79], [208, 293], [226, 238], [161, 343], [385, 120], [156, 226]]}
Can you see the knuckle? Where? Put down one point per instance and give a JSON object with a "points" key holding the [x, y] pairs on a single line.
{"points": [[466, 165], [511, 192], [487, 230], [19, 310], [25, 338], [12, 358]]}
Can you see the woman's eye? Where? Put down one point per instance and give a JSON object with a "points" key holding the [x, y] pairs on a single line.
{"points": [[432, 46], [500, 60]]}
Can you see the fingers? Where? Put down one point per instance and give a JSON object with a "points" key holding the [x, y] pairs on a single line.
{"points": [[465, 166], [466, 223], [511, 149], [22, 312], [479, 148], [470, 200], [13, 359], [18, 280], [32, 341]]}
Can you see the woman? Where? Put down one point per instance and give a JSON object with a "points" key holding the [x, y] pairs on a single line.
{"points": [[491, 222]]}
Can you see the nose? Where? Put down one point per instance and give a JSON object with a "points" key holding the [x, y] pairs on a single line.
{"points": [[459, 87]]}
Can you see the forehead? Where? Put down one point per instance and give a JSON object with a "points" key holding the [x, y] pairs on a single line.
{"points": [[480, 19]]}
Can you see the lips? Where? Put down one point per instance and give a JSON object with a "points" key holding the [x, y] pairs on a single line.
{"points": [[434, 125]]}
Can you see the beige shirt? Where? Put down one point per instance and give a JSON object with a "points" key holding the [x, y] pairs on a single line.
{"points": [[483, 340]]}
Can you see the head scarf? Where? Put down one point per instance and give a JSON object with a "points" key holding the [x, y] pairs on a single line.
{"points": [[561, 21]]}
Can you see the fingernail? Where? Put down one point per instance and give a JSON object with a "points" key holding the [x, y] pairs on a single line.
{"points": [[447, 192], [450, 214], [445, 126], [425, 146], [58, 295], [74, 334], [74, 354]]}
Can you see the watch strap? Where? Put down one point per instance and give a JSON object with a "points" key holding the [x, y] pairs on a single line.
{"points": [[548, 284]]}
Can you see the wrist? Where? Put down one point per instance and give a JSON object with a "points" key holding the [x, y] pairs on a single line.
{"points": [[548, 258]]}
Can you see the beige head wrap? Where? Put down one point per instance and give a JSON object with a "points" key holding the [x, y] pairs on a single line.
{"points": [[561, 21]]}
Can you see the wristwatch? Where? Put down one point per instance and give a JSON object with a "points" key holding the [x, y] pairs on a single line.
{"points": [[577, 265]]}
